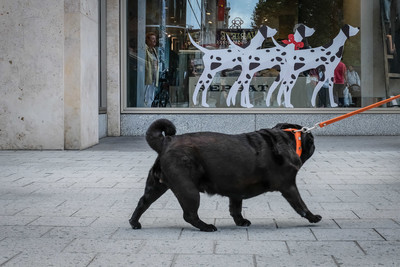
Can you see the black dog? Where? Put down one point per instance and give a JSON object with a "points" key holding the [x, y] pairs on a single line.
{"points": [[237, 166]]}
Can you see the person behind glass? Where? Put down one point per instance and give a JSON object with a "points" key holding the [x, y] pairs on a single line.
{"points": [[353, 83], [339, 83], [324, 91], [152, 69], [387, 6]]}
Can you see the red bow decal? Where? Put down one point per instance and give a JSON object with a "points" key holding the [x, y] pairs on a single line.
{"points": [[291, 40]]}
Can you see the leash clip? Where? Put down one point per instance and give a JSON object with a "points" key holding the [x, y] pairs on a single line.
{"points": [[308, 129]]}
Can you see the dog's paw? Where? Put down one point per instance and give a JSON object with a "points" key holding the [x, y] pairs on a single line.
{"points": [[242, 222], [135, 225], [209, 228], [314, 218]]}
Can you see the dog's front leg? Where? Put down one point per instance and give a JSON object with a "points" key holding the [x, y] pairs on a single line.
{"points": [[292, 195], [235, 209]]}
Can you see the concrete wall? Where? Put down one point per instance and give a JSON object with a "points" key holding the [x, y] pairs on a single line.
{"points": [[81, 27], [32, 74], [113, 68], [378, 123], [48, 74]]}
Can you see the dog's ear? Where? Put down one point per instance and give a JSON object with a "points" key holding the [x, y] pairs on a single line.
{"points": [[346, 30], [287, 126], [264, 30], [308, 146], [302, 30]]}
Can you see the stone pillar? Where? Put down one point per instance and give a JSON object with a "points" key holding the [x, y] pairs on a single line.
{"points": [[31, 74], [81, 73], [113, 68]]}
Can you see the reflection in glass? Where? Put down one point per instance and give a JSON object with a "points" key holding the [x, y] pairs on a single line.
{"points": [[208, 23]]}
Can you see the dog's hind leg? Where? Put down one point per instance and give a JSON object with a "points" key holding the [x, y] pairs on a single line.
{"points": [[235, 209], [153, 190], [292, 195], [189, 199]]}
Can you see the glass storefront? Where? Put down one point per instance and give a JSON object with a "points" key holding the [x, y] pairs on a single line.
{"points": [[171, 72]]}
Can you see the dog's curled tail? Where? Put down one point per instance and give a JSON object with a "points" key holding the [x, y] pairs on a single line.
{"points": [[157, 131]]}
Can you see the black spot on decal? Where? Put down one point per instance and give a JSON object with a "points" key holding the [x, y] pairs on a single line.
{"points": [[234, 60], [317, 60], [294, 57], [240, 59], [278, 50], [214, 66], [229, 51], [301, 58], [332, 58], [267, 50], [312, 50], [248, 76], [340, 52], [257, 58], [283, 54], [298, 66], [211, 57], [293, 76], [250, 57], [279, 59], [218, 58], [272, 60], [328, 53], [323, 58], [209, 76], [252, 66]]}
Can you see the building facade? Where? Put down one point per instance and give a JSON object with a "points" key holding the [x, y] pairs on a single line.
{"points": [[74, 71]]}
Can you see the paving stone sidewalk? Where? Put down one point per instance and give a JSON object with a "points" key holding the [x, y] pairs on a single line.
{"points": [[71, 208]]}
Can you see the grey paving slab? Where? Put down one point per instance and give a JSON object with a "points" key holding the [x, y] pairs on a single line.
{"points": [[52, 259], [251, 247], [324, 248], [213, 260], [71, 208], [139, 260], [294, 260]]}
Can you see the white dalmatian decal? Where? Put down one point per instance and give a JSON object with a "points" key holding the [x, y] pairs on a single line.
{"points": [[261, 59], [222, 59], [289, 61]]}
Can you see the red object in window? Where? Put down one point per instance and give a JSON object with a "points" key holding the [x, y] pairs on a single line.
{"points": [[221, 10], [291, 40]]}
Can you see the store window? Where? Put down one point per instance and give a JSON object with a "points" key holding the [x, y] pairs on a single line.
{"points": [[164, 69]]}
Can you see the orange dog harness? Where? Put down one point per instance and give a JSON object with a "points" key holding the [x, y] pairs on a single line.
{"points": [[297, 137]]}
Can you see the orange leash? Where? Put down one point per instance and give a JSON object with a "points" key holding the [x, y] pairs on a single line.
{"points": [[325, 123], [297, 132]]}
